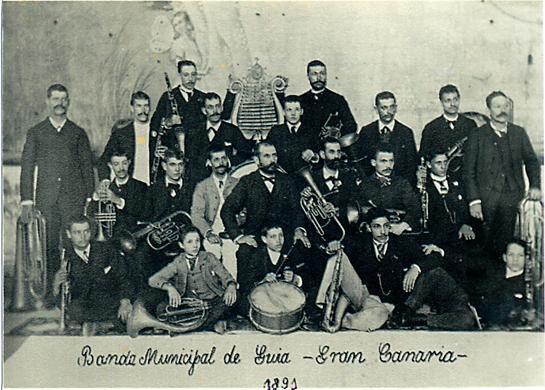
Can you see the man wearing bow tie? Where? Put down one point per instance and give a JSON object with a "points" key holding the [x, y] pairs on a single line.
{"points": [[208, 199], [390, 131], [448, 129], [493, 162], [321, 104], [99, 287], [387, 190]]}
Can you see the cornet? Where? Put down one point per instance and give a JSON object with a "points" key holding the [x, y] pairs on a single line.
{"points": [[105, 214]]}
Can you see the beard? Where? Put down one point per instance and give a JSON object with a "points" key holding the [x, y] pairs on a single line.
{"points": [[271, 168], [318, 85], [334, 164]]}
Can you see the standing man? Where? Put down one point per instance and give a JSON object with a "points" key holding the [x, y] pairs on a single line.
{"points": [[449, 129], [60, 150], [390, 131], [322, 105], [138, 137], [208, 199], [493, 161]]}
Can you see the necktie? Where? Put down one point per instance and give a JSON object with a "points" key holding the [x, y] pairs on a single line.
{"points": [[189, 94], [211, 132], [85, 256], [221, 184], [384, 181], [443, 189], [293, 129], [451, 124], [268, 179], [192, 261], [173, 189], [381, 249], [385, 130]]}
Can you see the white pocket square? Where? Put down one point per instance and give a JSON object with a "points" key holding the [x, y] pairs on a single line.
{"points": [[107, 269]]}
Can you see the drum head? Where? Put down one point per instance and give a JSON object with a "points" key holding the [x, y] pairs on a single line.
{"points": [[244, 169], [277, 298]]}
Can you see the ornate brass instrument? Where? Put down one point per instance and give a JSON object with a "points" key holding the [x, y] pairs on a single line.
{"points": [[456, 151], [178, 129], [190, 315], [30, 277], [332, 126], [529, 228], [104, 215], [424, 197], [159, 235]]}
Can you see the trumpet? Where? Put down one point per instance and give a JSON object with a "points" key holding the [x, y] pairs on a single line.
{"points": [[105, 214], [332, 126]]}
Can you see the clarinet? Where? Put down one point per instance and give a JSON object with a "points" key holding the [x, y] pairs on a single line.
{"points": [[156, 157], [178, 130], [65, 291], [421, 185]]}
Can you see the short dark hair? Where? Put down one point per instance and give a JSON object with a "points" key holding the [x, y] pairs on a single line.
{"points": [[384, 95], [258, 146], [79, 218], [269, 225], [449, 88], [139, 95], [56, 87], [183, 63], [210, 96], [434, 152], [374, 213], [328, 140], [120, 151], [215, 148], [493, 95], [292, 99], [314, 63], [383, 147], [514, 241], [186, 229], [172, 153]]}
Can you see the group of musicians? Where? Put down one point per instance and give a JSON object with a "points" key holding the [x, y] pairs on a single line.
{"points": [[394, 237]]}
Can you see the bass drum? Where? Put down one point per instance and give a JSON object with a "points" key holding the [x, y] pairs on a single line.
{"points": [[244, 168], [277, 307]]}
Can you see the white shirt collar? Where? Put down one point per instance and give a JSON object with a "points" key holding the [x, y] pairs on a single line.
{"points": [[316, 92], [179, 182], [390, 125], [292, 125], [217, 180], [453, 119], [83, 253], [57, 125], [497, 130], [511, 274], [120, 183], [437, 178], [330, 173], [141, 127], [216, 126], [274, 256]]}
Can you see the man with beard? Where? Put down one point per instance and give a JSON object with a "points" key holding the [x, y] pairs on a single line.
{"points": [[208, 199], [493, 161], [294, 142], [322, 105], [389, 131], [138, 138], [267, 195], [60, 150], [127, 194], [387, 190], [449, 129]]}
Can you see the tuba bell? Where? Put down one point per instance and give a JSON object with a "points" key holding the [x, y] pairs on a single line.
{"points": [[30, 278], [190, 315]]}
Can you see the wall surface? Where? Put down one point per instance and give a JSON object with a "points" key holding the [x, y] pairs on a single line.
{"points": [[104, 51]]}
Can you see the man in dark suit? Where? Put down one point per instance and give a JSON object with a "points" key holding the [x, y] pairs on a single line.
{"points": [[99, 287], [296, 144], [493, 160], [139, 138], [323, 107], [267, 195], [127, 194], [60, 150], [189, 101], [449, 129], [387, 190], [390, 131]]}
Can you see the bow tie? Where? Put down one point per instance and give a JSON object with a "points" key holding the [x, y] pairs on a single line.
{"points": [[330, 179], [268, 179], [384, 181], [385, 130], [173, 186]]}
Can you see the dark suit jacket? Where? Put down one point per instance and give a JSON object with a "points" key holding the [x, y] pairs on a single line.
{"points": [[134, 192], [189, 111], [482, 162], [401, 253], [402, 140], [65, 166], [318, 107], [103, 278], [282, 205], [161, 203], [398, 195], [502, 296], [124, 137], [238, 147], [290, 146]]}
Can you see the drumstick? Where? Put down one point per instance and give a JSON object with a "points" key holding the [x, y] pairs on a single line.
{"points": [[284, 258]]}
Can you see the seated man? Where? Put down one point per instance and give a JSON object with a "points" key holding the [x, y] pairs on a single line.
{"points": [[99, 287], [270, 263], [196, 274], [384, 190], [397, 271]]}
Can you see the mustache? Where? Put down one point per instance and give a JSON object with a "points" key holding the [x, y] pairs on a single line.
{"points": [[504, 114], [60, 105]]}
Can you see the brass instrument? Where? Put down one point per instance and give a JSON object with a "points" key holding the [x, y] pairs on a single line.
{"points": [[332, 126], [191, 314], [30, 277], [159, 235], [424, 197], [178, 129], [455, 151], [529, 228], [65, 291], [105, 214]]}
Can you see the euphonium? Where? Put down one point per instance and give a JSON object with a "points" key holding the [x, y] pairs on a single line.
{"points": [[30, 278], [190, 315]]}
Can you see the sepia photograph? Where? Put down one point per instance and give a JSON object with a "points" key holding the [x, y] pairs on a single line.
{"points": [[272, 194]]}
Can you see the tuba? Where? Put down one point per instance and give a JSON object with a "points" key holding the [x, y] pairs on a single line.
{"points": [[159, 235], [30, 278], [190, 315]]}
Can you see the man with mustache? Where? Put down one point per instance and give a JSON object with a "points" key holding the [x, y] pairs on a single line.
{"points": [[138, 137], [386, 129], [493, 161], [321, 104], [385, 189], [208, 199], [60, 150]]}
